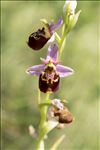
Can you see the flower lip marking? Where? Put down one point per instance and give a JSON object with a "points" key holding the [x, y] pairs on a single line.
{"points": [[49, 78], [49, 83]]}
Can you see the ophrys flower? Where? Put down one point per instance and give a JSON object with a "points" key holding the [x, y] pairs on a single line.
{"points": [[50, 71], [39, 38]]}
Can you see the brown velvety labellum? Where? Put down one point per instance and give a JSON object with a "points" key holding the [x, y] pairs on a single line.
{"points": [[50, 85], [64, 115], [65, 118], [38, 39]]}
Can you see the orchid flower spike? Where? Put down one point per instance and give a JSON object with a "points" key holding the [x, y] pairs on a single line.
{"points": [[50, 71], [40, 37]]}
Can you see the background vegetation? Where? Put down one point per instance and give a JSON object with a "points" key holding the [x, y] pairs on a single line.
{"points": [[19, 91]]}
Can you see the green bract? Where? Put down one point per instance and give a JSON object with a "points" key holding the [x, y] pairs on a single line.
{"points": [[72, 20]]}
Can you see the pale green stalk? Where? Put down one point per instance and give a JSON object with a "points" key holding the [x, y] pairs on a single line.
{"points": [[62, 41], [42, 126]]}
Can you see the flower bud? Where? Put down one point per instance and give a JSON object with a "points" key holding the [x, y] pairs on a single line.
{"points": [[70, 18], [73, 20], [70, 6]]}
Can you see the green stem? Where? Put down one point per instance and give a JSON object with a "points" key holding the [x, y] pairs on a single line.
{"points": [[40, 145], [63, 39], [42, 127], [43, 111]]}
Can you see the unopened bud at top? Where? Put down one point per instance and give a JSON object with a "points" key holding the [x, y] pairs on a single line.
{"points": [[70, 6]]}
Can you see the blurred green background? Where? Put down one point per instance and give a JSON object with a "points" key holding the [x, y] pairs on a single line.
{"points": [[19, 91]]}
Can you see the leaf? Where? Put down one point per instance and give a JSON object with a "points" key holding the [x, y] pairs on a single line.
{"points": [[57, 143]]}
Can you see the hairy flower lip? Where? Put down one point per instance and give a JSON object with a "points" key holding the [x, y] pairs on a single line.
{"points": [[49, 83]]}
